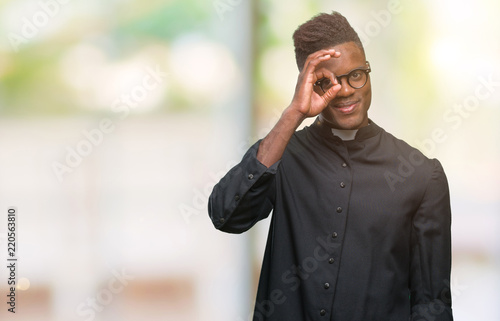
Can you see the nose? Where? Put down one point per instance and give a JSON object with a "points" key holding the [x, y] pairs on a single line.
{"points": [[346, 90]]}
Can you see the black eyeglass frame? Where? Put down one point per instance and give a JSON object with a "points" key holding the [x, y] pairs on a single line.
{"points": [[365, 70]]}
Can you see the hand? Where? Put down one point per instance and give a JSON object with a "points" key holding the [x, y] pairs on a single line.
{"points": [[306, 101]]}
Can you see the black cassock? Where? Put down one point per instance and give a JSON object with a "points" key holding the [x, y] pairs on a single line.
{"points": [[360, 229]]}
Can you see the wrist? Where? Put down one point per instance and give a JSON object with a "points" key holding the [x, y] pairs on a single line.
{"points": [[293, 116]]}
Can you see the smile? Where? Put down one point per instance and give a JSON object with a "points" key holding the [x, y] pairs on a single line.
{"points": [[347, 107]]}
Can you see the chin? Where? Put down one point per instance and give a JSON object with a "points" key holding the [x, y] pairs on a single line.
{"points": [[348, 122], [352, 123]]}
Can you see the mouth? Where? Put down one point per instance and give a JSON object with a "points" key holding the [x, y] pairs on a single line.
{"points": [[346, 107]]}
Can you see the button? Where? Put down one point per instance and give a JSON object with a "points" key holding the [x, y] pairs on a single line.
{"points": [[342, 184], [250, 176], [222, 220], [334, 235], [327, 285], [344, 165], [339, 209], [322, 312], [237, 198], [331, 260]]}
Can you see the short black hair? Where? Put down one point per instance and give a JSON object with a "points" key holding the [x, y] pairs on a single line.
{"points": [[322, 31]]}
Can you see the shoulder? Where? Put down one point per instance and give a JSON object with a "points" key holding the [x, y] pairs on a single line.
{"points": [[409, 163], [304, 139], [402, 149]]}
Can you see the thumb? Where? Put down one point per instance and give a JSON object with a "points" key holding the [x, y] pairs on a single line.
{"points": [[331, 93]]}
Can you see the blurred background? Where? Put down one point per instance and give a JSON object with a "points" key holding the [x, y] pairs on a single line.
{"points": [[117, 118]]}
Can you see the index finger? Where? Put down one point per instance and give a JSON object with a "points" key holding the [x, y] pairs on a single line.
{"points": [[322, 52], [321, 55]]}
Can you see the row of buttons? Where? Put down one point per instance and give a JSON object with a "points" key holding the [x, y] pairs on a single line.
{"points": [[339, 209], [331, 260], [334, 234]]}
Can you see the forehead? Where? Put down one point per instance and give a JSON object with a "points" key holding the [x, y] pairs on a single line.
{"points": [[351, 57]]}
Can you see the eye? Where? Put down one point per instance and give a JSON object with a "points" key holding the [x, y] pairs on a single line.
{"points": [[355, 75], [325, 83]]}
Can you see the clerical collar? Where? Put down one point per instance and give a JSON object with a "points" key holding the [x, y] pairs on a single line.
{"points": [[324, 128], [345, 134]]}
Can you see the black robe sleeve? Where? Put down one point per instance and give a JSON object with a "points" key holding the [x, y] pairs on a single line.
{"points": [[430, 261], [244, 195]]}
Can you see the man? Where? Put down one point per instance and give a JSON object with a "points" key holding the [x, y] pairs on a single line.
{"points": [[360, 228]]}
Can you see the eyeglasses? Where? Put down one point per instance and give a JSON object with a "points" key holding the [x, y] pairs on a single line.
{"points": [[356, 78]]}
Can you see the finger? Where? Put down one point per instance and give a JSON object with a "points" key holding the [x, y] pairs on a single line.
{"points": [[331, 93], [307, 75], [312, 65], [322, 54], [325, 73], [311, 74]]}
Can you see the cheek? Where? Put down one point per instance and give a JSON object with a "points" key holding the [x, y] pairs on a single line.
{"points": [[367, 96]]}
